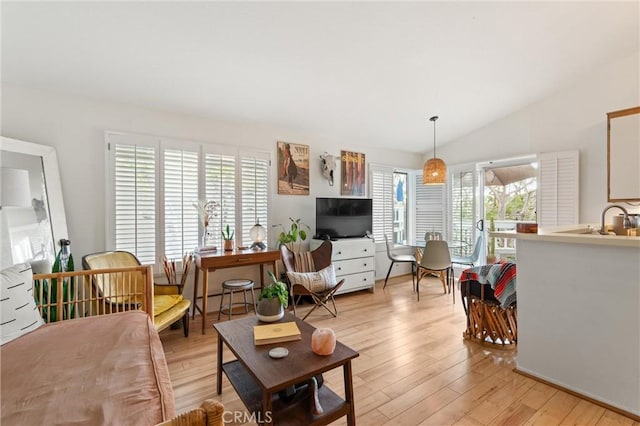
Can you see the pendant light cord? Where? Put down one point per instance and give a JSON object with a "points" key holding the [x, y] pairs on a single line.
{"points": [[434, 118]]}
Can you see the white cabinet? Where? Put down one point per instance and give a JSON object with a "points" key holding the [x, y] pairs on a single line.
{"points": [[354, 260]]}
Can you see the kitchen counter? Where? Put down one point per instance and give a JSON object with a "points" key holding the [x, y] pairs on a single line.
{"points": [[573, 234], [582, 234], [579, 313]]}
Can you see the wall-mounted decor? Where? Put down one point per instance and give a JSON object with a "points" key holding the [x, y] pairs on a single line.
{"points": [[352, 173], [293, 169], [623, 144], [328, 166]]}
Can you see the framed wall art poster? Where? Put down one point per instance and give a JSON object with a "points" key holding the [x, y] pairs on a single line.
{"points": [[352, 173], [293, 169]]}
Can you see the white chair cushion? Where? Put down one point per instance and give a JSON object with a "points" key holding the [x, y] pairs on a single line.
{"points": [[19, 312], [317, 282]]}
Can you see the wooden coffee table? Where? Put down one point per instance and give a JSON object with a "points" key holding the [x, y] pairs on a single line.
{"points": [[257, 378]]}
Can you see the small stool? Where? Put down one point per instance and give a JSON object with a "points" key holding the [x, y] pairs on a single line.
{"points": [[236, 285]]}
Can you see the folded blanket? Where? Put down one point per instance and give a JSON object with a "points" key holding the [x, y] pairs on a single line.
{"points": [[500, 276]]}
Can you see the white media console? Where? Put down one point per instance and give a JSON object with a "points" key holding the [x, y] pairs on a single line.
{"points": [[354, 259]]}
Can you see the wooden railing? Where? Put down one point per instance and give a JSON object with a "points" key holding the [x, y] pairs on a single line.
{"points": [[63, 296]]}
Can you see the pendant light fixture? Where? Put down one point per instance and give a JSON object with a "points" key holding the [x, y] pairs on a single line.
{"points": [[434, 171]]}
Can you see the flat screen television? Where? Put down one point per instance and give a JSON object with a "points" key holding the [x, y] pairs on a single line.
{"points": [[343, 217]]}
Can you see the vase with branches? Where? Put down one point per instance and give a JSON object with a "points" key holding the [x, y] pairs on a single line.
{"points": [[207, 210]]}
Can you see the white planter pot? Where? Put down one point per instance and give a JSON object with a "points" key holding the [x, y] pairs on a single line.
{"points": [[269, 310]]}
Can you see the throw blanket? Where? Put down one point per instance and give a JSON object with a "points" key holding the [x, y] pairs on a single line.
{"points": [[501, 277]]}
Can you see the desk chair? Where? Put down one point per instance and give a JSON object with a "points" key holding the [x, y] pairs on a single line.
{"points": [[472, 259], [168, 303], [406, 258], [309, 263], [436, 258]]}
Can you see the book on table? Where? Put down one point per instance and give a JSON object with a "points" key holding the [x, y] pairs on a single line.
{"points": [[276, 333], [206, 249]]}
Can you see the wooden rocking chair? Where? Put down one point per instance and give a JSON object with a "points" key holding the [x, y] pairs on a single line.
{"points": [[310, 262]]}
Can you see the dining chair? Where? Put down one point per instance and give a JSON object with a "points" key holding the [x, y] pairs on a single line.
{"points": [[473, 258], [406, 258], [436, 258]]}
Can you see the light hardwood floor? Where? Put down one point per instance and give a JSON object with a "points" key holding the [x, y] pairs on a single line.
{"points": [[414, 367]]}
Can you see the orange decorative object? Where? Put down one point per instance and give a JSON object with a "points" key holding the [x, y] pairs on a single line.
{"points": [[323, 341], [527, 228]]}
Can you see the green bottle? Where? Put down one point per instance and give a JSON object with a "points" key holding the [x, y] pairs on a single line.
{"points": [[63, 263]]}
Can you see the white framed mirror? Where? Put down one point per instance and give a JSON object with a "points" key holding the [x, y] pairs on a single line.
{"points": [[623, 152], [32, 217]]}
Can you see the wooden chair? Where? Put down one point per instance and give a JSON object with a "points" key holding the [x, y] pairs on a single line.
{"points": [[421, 272], [312, 261], [168, 304], [487, 322], [208, 414], [436, 259]]}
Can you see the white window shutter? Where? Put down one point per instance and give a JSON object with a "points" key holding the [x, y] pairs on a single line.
{"points": [[153, 184], [254, 179], [558, 188], [430, 208], [134, 192], [180, 176], [220, 186], [381, 190], [463, 205]]}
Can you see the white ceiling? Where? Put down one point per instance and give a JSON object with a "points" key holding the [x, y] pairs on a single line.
{"points": [[362, 73]]}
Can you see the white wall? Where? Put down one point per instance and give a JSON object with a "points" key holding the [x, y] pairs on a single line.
{"points": [[75, 127], [573, 118]]}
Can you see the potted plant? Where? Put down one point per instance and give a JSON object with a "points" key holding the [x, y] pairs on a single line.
{"points": [[273, 298], [294, 235], [491, 247], [227, 236]]}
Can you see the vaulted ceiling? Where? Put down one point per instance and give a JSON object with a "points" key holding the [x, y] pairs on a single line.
{"points": [[367, 73]]}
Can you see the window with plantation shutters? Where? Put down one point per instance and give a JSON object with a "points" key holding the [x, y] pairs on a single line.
{"points": [[153, 184], [254, 178], [220, 186], [180, 176], [430, 208], [381, 190], [134, 194]]}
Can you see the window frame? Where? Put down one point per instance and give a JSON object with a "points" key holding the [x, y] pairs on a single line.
{"points": [[160, 144], [409, 195]]}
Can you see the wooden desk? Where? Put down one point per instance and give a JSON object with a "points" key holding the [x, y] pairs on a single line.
{"points": [[209, 262], [258, 378]]}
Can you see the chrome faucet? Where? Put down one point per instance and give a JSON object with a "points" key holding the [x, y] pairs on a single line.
{"points": [[626, 222]]}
